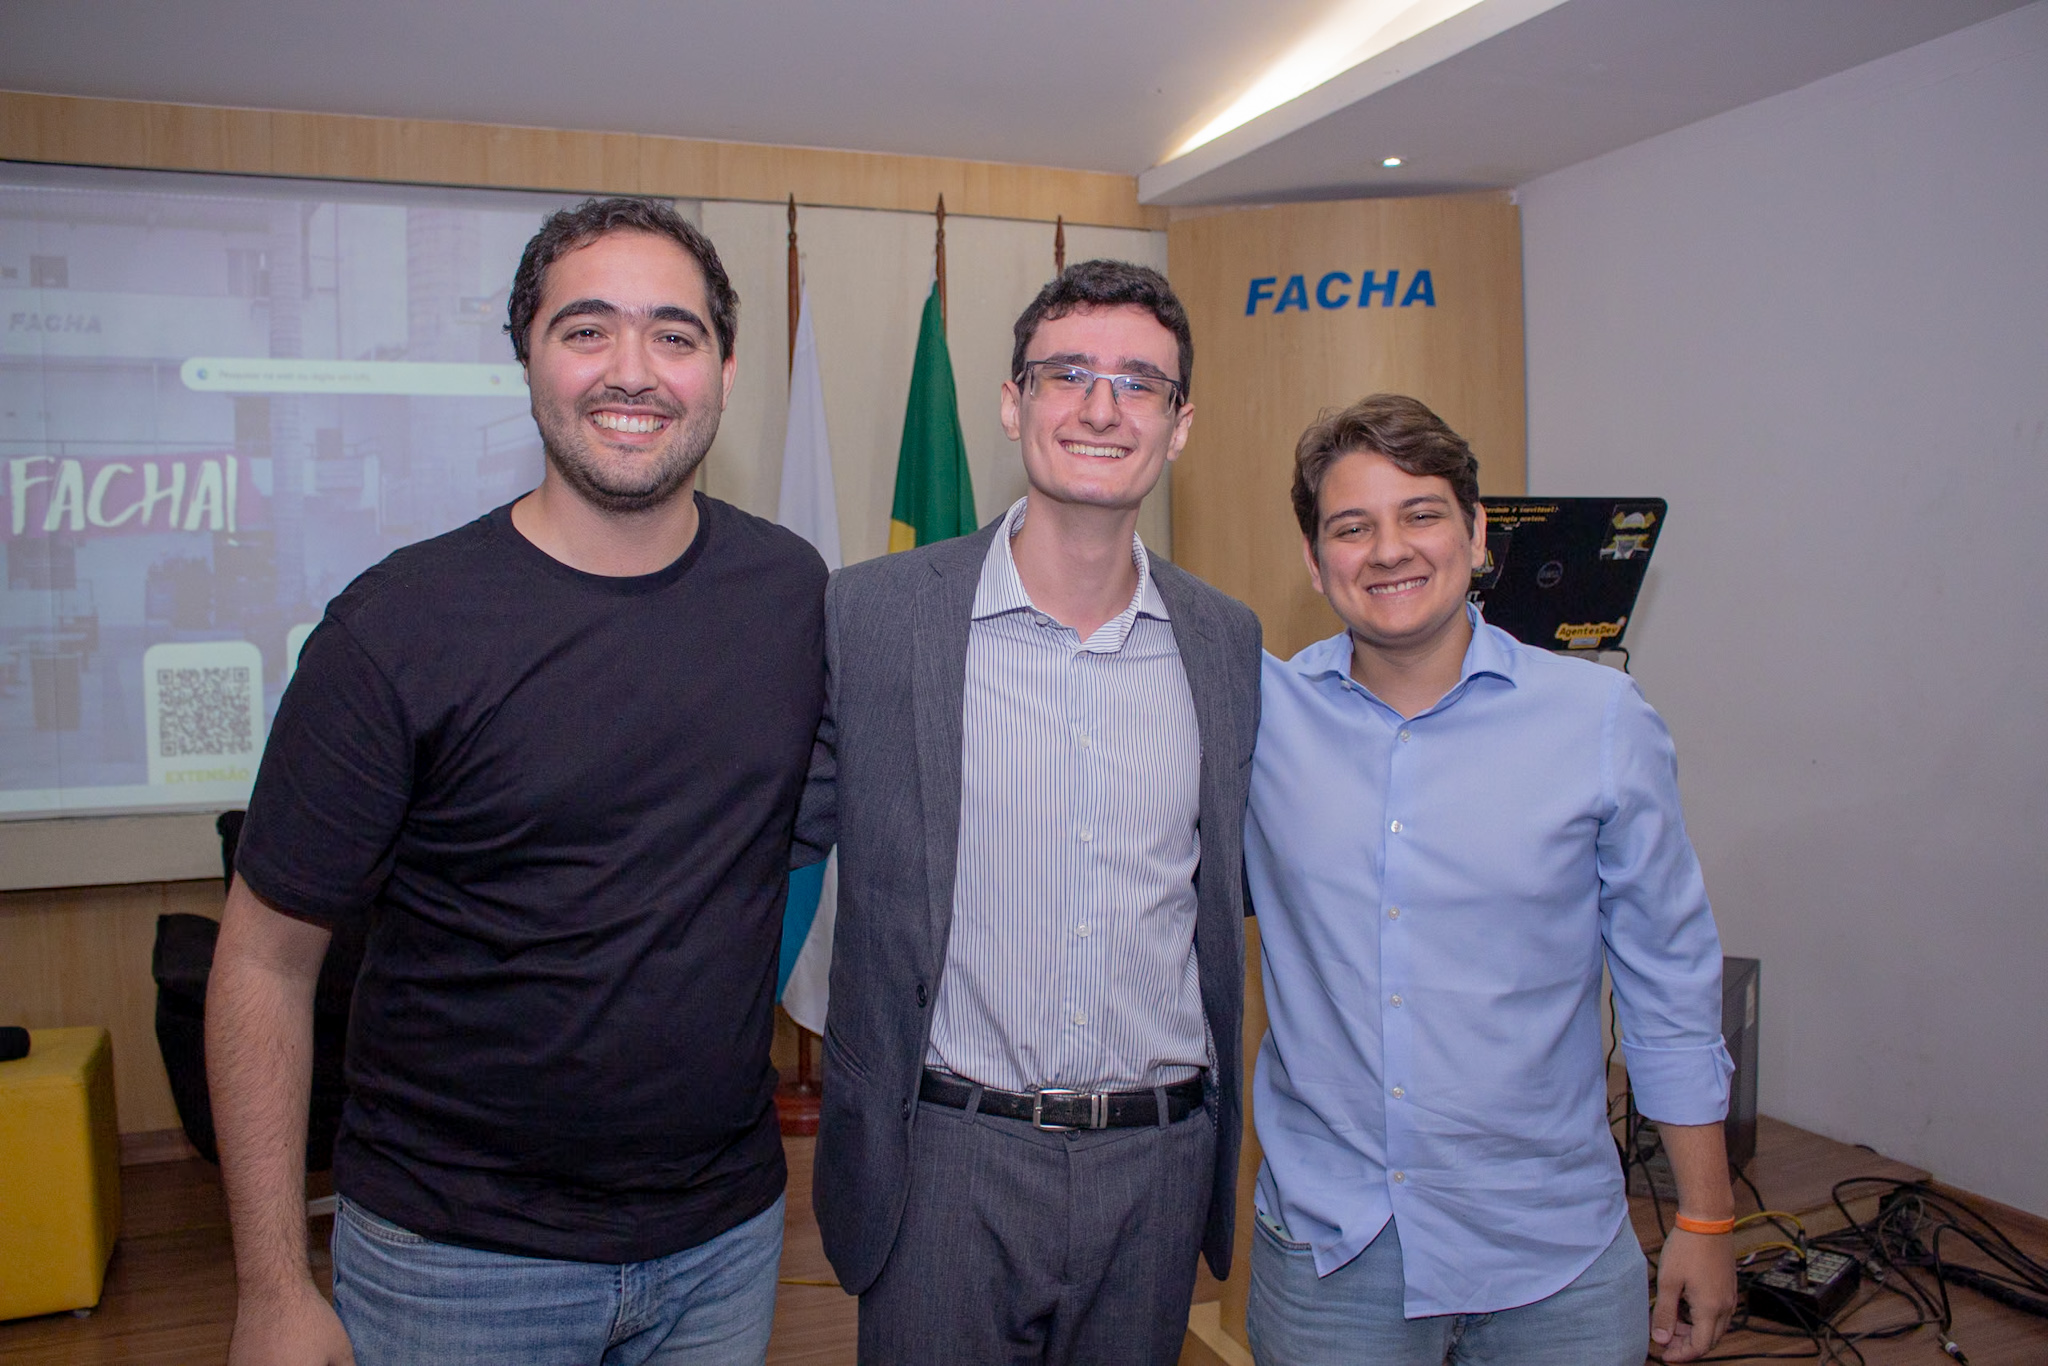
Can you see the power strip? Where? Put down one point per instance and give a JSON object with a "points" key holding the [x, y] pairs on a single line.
{"points": [[1804, 1291]]}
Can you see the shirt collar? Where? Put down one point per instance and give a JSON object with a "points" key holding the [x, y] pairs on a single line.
{"points": [[1002, 590], [1490, 653]]}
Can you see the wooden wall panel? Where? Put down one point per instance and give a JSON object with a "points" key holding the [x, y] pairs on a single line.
{"points": [[1261, 379], [80, 956], [179, 137]]}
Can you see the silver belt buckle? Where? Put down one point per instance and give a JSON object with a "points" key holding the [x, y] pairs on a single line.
{"points": [[1098, 1109]]}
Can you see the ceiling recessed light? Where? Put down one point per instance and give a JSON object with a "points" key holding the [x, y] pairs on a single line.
{"points": [[1390, 162]]}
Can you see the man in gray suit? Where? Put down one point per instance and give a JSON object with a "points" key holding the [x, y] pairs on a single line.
{"points": [[1034, 763]]}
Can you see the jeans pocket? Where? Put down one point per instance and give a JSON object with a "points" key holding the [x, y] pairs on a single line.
{"points": [[1271, 1232], [370, 1226]]}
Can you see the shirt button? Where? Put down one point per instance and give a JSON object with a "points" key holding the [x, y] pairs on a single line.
{"points": [[1081, 930], [1395, 1001], [1404, 736], [1393, 912], [1044, 621], [1399, 1092], [1079, 1018], [1087, 835], [1395, 827], [1400, 1178]]}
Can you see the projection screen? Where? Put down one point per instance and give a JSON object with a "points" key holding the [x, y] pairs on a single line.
{"points": [[221, 398]]}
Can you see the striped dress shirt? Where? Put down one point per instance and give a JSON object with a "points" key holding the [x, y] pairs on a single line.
{"points": [[1071, 961]]}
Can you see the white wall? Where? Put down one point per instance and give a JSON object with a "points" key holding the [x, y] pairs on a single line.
{"points": [[1819, 326], [869, 272]]}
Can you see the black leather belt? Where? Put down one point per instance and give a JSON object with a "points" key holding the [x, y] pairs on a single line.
{"points": [[1053, 1108]]}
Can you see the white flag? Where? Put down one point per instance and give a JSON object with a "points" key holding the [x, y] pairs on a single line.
{"points": [[809, 506], [805, 996]]}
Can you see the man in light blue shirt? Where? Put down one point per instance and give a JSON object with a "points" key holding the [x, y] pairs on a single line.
{"points": [[1448, 833]]}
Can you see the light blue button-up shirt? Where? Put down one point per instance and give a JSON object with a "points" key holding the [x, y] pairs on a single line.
{"points": [[1434, 898]]}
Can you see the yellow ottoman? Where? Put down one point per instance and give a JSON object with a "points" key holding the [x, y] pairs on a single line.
{"points": [[60, 1172]]}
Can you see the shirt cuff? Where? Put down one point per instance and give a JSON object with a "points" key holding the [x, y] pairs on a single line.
{"points": [[1680, 1085]]}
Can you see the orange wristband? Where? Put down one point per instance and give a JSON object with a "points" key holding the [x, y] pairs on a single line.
{"points": [[1692, 1225]]}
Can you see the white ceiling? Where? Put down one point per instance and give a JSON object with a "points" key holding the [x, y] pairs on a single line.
{"points": [[1508, 90], [1513, 89]]}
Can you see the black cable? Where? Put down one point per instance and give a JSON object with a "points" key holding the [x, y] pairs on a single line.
{"points": [[1920, 1203], [1607, 1063], [1634, 1124], [1870, 1234], [1906, 1235], [2006, 1252], [2003, 1289]]}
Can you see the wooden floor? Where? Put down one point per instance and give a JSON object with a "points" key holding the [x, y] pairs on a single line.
{"points": [[169, 1296], [170, 1292], [1795, 1171]]}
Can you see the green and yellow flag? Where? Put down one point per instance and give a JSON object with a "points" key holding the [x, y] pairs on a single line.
{"points": [[934, 492]]}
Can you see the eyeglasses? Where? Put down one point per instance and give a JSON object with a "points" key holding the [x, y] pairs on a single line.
{"points": [[1140, 395]]}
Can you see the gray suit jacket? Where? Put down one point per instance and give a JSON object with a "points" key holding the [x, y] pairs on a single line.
{"points": [[885, 787]]}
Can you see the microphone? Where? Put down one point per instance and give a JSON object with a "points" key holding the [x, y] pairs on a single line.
{"points": [[13, 1043]]}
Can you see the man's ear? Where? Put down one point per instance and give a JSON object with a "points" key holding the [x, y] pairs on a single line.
{"points": [[1478, 537], [1181, 422], [1315, 568], [1011, 410]]}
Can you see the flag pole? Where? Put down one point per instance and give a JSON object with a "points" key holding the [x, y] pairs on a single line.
{"points": [[796, 1102], [1059, 245], [939, 251], [795, 285]]}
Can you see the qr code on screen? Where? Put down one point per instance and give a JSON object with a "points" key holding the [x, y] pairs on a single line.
{"points": [[204, 711]]}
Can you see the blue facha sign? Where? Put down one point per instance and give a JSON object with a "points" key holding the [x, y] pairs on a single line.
{"points": [[1334, 290]]}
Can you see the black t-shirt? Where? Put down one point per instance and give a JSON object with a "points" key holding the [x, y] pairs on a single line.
{"points": [[564, 801]]}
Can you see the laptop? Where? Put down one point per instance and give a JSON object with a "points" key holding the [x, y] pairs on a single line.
{"points": [[1563, 573]]}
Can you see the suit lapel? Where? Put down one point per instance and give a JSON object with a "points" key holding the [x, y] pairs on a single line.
{"points": [[944, 612]]}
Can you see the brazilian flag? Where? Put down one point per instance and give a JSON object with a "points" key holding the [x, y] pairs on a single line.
{"points": [[934, 492]]}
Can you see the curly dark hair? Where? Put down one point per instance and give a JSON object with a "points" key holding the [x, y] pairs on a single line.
{"points": [[1106, 284], [1396, 426], [568, 229]]}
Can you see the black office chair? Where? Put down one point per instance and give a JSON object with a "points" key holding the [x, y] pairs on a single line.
{"points": [[181, 962]]}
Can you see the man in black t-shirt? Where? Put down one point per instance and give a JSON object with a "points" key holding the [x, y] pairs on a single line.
{"points": [[553, 757]]}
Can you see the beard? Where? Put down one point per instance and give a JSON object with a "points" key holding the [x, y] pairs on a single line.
{"points": [[625, 484]]}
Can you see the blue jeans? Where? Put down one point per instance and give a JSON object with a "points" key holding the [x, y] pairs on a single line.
{"points": [[1354, 1313], [405, 1299]]}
